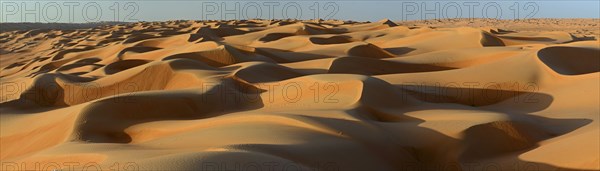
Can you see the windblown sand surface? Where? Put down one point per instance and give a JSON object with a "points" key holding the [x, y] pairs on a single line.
{"points": [[578, 27], [321, 95]]}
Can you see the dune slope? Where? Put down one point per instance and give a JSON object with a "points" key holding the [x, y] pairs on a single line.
{"points": [[282, 94]]}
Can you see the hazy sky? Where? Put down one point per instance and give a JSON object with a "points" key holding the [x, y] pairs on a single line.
{"points": [[160, 10]]}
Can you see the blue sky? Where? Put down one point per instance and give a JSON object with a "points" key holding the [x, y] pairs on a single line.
{"points": [[160, 10]]}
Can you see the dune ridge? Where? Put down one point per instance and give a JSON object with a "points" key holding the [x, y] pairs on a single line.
{"points": [[310, 94]]}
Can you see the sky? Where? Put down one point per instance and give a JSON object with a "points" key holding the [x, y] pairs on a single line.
{"points": [[359, 10]]}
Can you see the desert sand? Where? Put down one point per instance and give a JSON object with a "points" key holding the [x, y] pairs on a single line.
{"points": [[302, 95]]}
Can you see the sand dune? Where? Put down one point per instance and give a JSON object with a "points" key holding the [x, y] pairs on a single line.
{"points": [[317, 95]]}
